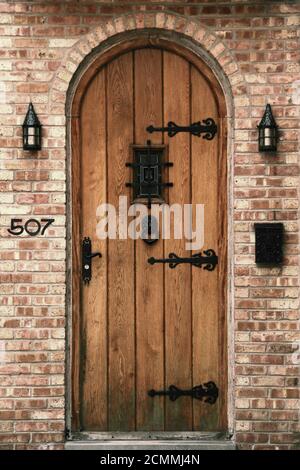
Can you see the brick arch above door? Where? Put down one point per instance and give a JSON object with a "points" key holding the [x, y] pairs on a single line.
{"points": [[80, 54]]}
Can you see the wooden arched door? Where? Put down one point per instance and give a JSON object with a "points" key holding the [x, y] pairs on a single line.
{"points": [[138, 326]]}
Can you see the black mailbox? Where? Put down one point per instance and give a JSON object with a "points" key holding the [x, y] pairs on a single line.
{"points": [[268, 243]]}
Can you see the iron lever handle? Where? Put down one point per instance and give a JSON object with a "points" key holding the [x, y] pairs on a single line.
{"points": [[92, 255], [87, 257], [210, 260]]}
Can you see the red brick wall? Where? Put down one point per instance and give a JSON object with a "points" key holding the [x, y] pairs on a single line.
{"points": [[257, 44]]}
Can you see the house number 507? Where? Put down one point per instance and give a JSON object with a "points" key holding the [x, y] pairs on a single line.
{"points": [[32, 227]]}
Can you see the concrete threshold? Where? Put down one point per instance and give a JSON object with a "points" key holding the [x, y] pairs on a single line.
{"points": [[145, 441]]}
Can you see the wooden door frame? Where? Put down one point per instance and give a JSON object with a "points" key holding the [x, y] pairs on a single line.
{"points": [[106, 52]]}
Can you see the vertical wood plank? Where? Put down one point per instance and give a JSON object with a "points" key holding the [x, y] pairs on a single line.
{"points": [[205, 283], [178, 281], [76, 266], [223, 273], [149, 281], [121, 296], [93, 188]]}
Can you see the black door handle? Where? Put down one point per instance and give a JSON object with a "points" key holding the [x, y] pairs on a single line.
{"points": [[87, 257], [92, 255]]}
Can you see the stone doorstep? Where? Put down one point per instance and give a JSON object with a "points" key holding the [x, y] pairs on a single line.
{"points": [[150, 445]]}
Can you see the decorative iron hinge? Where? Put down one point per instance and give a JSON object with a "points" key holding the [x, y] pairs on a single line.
{"points": [[208, 390], [208, 128], [210, 260]]}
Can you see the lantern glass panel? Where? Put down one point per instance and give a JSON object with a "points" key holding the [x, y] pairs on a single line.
{"points": [[267, 139], [31, 136]]}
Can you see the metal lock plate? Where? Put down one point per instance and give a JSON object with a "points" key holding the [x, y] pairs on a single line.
{"points": [[87, 257]]}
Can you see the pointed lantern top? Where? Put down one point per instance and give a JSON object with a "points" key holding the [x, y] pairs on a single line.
{"points": [[31, 118], [268, 118]]}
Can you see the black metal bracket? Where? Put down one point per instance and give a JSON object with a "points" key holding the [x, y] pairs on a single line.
{"points": [[210, 260], [87, 257], [208, 390], [147, 182], [147, 168], [208, 128], [138, 165]]}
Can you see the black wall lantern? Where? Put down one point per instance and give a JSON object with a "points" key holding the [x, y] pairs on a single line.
{"points": [[32, 130], [267, 132]]}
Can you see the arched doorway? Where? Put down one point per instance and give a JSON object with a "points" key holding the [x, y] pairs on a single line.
{"points": [[138, 326]]}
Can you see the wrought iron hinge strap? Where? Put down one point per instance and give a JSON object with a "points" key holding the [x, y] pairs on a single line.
{"points": [[210, 260], [208, 129], [208, 390]]}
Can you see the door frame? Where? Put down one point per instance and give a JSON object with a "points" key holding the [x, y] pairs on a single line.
{"points": [[211, 70]]}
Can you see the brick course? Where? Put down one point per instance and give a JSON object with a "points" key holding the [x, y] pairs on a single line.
{"points": [[41, 46]]}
